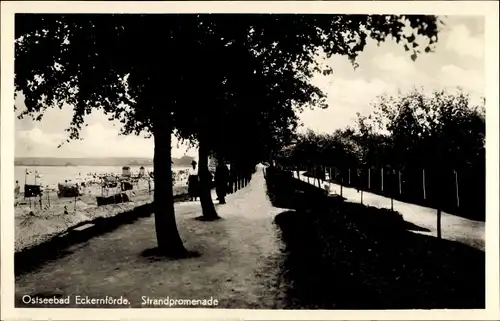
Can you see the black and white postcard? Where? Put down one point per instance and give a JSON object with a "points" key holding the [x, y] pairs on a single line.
{"points": [[250, 160]]}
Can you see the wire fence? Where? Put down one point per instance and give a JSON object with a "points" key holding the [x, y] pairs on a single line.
{"points": [[457, 192]]}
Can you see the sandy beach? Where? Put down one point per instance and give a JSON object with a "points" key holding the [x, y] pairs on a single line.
{"points": [[39, 222]]}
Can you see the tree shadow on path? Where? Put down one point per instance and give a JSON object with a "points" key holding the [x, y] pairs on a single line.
{"points": [[61, 245], [342, 255]]}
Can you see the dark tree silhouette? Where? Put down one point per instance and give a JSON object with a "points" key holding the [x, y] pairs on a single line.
{"points": [[149, 71]]}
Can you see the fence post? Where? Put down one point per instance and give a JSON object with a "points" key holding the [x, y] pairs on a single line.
{"points": [[349, 176], [25, 178], [318, 171], [369, 178], [456, 185], [341, 186], [399, 181], [382, 177], [330, 170], [423, 183], [439, 222], [308, 174], [361, 192]]}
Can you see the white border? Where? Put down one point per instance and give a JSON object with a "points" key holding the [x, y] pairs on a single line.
{"points": [[487, 8]]}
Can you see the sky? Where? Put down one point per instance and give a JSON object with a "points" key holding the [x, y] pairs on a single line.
{"points": [[458, 61]]}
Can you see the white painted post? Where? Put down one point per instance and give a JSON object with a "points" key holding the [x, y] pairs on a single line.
{"points": [[382, 176], [456, 187], [369, 178], [341, 186], [318, 171], [321, 172], [349, 176], [439, 222], [423, 183], [399, 181]]}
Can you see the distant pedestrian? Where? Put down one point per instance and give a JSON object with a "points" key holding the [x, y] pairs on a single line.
{"points": [[221, 180], [193, 182], [17, 189]]}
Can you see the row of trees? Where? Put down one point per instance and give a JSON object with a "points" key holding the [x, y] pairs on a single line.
{"points": [[230, 84], [427, 145]]}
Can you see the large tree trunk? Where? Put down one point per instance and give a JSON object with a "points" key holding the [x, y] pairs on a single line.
{"points": [[207, 205], [167, 235]]}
